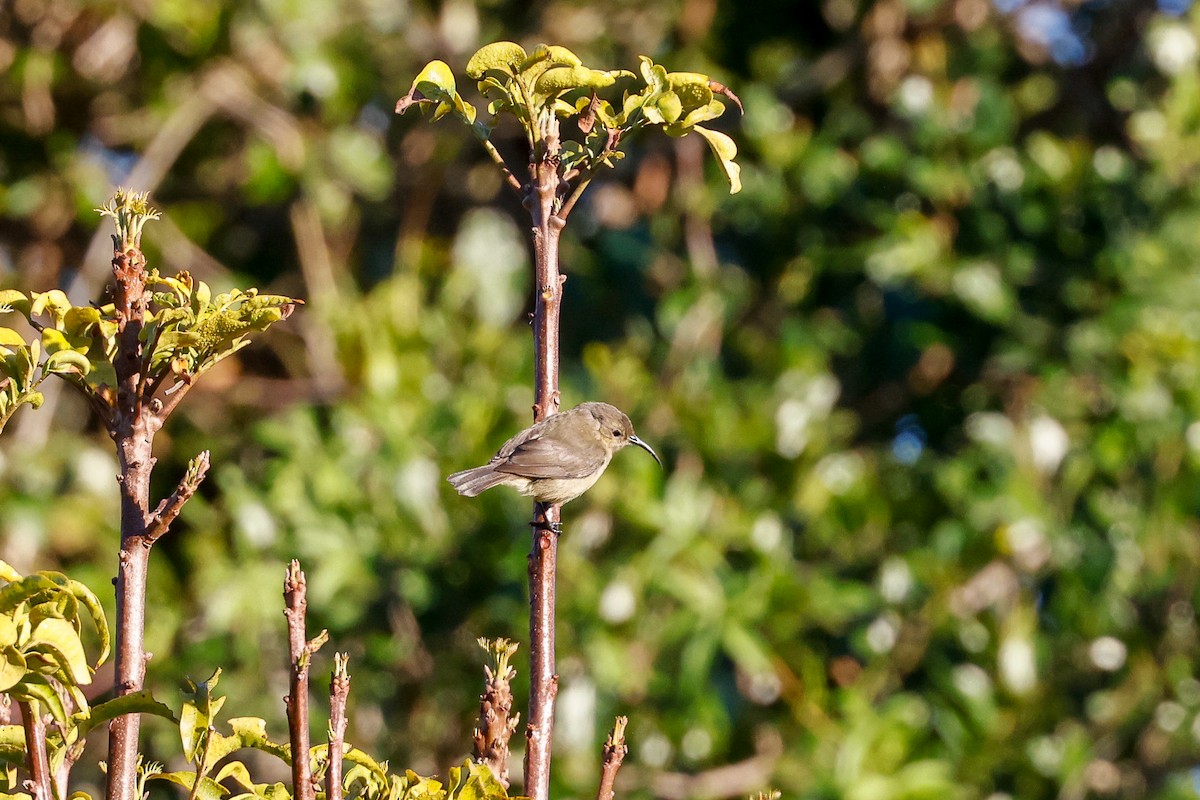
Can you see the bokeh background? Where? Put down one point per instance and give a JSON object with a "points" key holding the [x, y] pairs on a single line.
{"points": [[927, 389]]}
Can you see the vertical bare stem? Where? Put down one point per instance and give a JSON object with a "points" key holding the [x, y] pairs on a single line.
{"points": [[544, 554], [132, 429], [300, 651], [339, 691], [614, 753], [35, 746]]}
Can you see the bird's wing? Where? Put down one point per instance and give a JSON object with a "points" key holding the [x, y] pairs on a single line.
{"points": [[545, 457]]}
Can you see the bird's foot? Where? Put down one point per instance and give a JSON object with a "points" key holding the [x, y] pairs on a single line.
{"points": [[554, 527]]}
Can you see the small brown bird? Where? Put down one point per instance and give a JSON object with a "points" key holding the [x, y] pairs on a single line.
{"points": [[557, 459]]}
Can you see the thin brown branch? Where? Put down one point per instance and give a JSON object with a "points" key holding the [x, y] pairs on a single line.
{"points": [[300, 652], [509, 177], [170, 399], [61, 775], [721, 88], [543, 678], [339, 691], [169, 508], [132, 432], [615, 750], [578, 191], [35, 749], [497, 723], [546, 518]]}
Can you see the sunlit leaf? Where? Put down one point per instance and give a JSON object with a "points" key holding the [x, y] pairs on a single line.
{"points": [[136, 703], [557, 80], [12, 300], [725, 150], [54, 340], [7, 573], [36, 688], [68, 362], [252, 732], [12, 668], [545, 56], [63, 638], [79, 320], [238, 772], [53, 302], [20, 591], [691, 88], [435, 84], [10, 338], [505, 57], [207, 790]]}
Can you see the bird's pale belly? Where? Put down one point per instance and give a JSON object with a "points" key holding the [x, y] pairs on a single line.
{"points": [[556, 490]]}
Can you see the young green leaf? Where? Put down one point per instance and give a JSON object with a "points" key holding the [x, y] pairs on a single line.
{"points": [[68, 362], [725, 151], [545, 56], [434, 85], [53, 302], [10, 338], [12, 667], [557, 80], [60, 639], [505, 57], [37, 688], [12, 300], [137, 703], [207, 790], [252, 732], [238, 772]]}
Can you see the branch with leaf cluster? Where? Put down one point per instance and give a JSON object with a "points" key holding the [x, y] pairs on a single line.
{"points": [[607, 105], [134, 359], [542, 90], [185, 332]]}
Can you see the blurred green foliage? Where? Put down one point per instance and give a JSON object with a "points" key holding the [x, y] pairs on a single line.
{"points": [[926, 388]]}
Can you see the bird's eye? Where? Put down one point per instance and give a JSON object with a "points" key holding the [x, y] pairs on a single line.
{"points": [[616, 433]]}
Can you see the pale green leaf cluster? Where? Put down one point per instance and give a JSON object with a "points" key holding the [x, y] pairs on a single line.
{"points": [[40, 622], [208, 750], [43, 663], [186, 331], [65, 741], [608, 103], [189, 331], [21, 366]]}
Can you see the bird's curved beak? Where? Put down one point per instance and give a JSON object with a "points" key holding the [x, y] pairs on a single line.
{"points": [[646, 447]]}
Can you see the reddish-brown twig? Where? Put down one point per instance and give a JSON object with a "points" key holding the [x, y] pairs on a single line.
{"points": [[169, 508], [614, 753], [132, 430], [339, 691], [300, 652], [35, 748], [543, 681]]}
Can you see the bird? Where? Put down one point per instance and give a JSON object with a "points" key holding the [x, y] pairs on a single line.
{"points": [[556, 460]]}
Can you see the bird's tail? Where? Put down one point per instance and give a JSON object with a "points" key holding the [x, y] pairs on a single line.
{"points": [[471, 482]]}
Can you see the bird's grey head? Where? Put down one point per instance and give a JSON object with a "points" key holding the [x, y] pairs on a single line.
{"points": [[616, 428]]}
